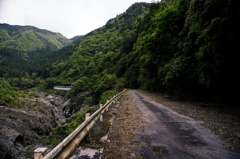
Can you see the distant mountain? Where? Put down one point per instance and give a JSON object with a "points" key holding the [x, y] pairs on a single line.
{"points": [[19, 45], [77, 37]]}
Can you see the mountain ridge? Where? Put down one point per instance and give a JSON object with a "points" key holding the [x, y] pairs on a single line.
{"points": [[19, 45]]}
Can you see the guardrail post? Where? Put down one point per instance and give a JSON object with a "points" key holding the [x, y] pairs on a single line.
{"points": [[87, 116], [107, 107], [101, 116], [39, 153]]}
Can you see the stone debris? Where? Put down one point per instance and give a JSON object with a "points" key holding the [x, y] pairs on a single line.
{"points": [[88, 153]]}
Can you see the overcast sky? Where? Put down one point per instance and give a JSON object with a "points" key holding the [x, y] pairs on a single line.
{"points": [[69, 17]]}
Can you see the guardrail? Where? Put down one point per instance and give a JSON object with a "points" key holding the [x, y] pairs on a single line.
{"points": [[64, 149], [66, 88]]}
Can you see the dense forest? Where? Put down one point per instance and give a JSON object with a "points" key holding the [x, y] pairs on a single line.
{"points": [[184, 48]]}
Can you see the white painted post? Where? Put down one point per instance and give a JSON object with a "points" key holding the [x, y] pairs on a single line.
{"points": [[39, 153], [101, 116], [87, 116], [107, 107]]}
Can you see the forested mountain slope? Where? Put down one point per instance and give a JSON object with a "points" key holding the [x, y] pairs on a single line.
{"points": [[21, 45], [98, 62], [186, 48]]}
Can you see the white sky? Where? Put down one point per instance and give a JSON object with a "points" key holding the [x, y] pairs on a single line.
{"points": [[68, 17]]}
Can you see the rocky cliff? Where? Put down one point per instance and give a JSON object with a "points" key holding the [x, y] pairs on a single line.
{"points": [[21, 128]]}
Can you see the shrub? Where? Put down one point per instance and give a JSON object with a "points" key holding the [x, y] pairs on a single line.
{"points": [[7, 93]]}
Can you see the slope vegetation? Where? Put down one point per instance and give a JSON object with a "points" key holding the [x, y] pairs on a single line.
{"points": [[20, 45], [97, 63], [185, 48]]}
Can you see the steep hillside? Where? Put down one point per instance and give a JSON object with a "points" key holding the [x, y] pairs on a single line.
{"points": [[186, 49], [19, 45], [189, 49], [98, 62]]}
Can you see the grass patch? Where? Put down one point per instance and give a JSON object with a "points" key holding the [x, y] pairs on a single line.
{"points": [[30, 151]]}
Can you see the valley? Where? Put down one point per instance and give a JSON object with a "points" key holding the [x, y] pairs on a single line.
{"points": [[185, 50]]}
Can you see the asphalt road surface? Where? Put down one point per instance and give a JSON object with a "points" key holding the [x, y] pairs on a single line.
{"points": [[169, 135]]}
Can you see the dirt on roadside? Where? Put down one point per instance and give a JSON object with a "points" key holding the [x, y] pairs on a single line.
{"points": [[128, 123]]}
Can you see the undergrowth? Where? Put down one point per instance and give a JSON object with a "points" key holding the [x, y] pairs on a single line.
{"points": [[61, 132]]}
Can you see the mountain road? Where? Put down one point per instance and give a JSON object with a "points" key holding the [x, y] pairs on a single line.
{"points": [[146, 129]]}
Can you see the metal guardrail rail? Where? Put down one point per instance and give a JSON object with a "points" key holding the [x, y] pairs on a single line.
{"points": [[66, 88], [64, 149]]}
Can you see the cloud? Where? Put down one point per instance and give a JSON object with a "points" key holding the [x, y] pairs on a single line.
{"points": [[69, 17]]}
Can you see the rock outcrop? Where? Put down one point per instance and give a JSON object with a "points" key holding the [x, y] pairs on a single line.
{"points": [[75, 104], [20, 128]]}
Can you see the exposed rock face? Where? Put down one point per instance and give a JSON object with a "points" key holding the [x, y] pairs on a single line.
{"points": [[21, 127], [75, 104]]}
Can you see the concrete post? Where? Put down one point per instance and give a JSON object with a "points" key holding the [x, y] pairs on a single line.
{"points": [[101, 116], [39, 153], [87, 116], [106, 108]]}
